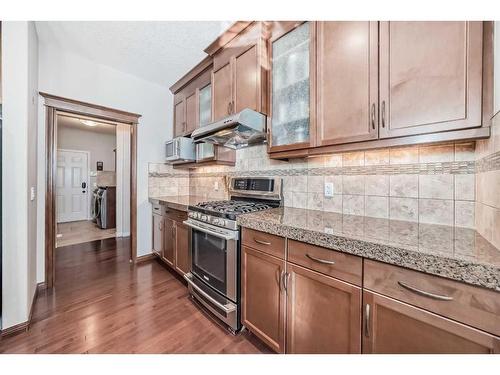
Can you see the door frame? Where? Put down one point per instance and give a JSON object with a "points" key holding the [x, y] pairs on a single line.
{"points": [[88, 176], [55, 105]]}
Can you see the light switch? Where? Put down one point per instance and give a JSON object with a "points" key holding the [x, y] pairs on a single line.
{"points": [[32, 193], [328, 189]]}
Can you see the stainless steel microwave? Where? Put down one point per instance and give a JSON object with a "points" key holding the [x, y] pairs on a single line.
{"points": [[180, 150]]}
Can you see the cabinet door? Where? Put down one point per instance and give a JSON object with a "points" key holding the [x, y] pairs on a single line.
{"points": [[191, 115], [182, 256], [221, 92], [430, 77], [169, 238], [292, 89], [179, 118], [158, 224], [205, 105], [393, 327], [247, 81], [263, 298], [347, 82], [323, 314]]}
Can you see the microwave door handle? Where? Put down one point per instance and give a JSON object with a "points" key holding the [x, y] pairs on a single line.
{"points": [[206, 230]]}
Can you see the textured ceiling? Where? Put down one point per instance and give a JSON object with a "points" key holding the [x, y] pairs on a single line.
{"points": [[159, 52], [71, 122]]}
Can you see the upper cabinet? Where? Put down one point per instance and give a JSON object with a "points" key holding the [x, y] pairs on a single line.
{"points": [[292, 55], [347, 76], [338, 86], [430, 76], [239, 72], [187, 99]]}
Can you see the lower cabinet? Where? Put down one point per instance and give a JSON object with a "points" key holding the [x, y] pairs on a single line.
{"points": [[182, 254], [392, 327], [323, 313], [169, 242], [263, 297]]}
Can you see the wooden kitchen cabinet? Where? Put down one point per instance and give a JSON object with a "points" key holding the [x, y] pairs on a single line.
{"points": [[179, 115], [323, 314], [239, 78], [168, 255], [263, 298], [186, 98], [182, 254], [394, 327], [430, 77], [347, 82], [158, 237]]}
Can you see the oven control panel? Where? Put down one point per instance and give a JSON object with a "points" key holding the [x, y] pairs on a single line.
{"points": [[217, 221]]}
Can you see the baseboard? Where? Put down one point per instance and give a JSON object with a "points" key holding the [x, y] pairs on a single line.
{"points": [[24, 326], [145, 258]]}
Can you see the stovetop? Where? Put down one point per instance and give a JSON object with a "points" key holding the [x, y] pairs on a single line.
{"points": [[229, 209]]}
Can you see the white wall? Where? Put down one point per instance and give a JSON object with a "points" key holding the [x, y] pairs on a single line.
{"points": [[19, 227], [71, 76], [99, 145]]}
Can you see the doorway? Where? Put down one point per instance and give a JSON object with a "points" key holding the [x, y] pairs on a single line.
{"points": [[90, 166], [70, 190]]}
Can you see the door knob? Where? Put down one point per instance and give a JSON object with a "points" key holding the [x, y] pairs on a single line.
{"points": [[84, 185]]}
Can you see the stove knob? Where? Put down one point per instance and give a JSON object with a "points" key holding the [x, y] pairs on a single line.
{"points": [[215, 221], [204, 217]]}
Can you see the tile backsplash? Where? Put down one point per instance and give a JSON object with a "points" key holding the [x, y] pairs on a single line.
{"points": [[487, 209], [428, 183]]}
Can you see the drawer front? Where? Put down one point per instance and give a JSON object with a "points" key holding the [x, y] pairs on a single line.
{"points": [[159, 209], [176, 215], [333, 263], [471, 305], [265, 242]]}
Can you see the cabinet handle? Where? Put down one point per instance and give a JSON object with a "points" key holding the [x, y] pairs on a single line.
{"points": [[161, 226], [322, 261], [232, 107], [229, 108], [262, 242], [367, 320], [373, 116], [282, 283], [383, 113], [424, 293]]}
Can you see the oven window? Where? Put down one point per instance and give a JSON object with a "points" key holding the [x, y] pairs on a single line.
{"points": [[209, 259]]}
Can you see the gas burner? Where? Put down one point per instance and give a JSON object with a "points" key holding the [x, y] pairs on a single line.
{"points": [[233, 206]]}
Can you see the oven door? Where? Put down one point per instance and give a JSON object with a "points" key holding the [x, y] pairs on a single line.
{"points": [[214, 256]]}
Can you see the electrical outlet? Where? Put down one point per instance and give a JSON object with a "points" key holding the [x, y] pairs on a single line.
{"points": [[32, 193], [328, 230], [216, 185], [328, 189]]}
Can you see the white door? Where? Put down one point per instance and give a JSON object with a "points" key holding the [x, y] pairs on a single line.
{"points": [[72, 186]]}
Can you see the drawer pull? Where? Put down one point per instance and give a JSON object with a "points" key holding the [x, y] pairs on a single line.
{"points": [[424, 293], [322, 261], [262, 242]]}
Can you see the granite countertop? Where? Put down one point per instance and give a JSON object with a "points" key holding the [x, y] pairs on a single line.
{"points": [[178, 202], [452, 252]]}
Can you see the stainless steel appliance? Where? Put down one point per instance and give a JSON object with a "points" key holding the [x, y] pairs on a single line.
{"points": [[180, 150], [214, 243], [242, 129]]}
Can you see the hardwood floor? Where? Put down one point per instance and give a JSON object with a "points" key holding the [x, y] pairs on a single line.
{"points": [[101, 303], [76, 232]]}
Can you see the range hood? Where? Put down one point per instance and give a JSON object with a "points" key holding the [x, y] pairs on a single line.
{"points": [[242, 129]]}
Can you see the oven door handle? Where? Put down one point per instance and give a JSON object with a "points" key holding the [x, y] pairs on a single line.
{"points": [[226, 237], [226, 308]]}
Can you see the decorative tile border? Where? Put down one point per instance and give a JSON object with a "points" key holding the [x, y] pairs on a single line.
{"points": [[489, 163], [458, 167]]}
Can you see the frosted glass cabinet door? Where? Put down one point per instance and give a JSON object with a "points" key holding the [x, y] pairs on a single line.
{"points": [[205, 108], [290, 119], [205, 151]]}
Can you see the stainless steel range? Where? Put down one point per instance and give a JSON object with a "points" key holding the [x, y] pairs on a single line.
{"points": [[214, 243]]}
